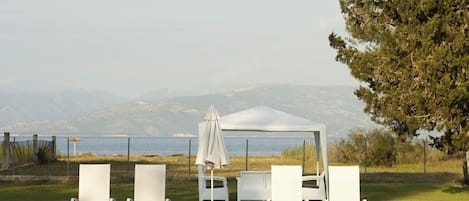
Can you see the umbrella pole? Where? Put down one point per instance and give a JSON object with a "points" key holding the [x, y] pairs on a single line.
{"points": [[211, 176]]}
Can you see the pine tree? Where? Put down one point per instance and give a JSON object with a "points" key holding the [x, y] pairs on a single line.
{"points": [[412, 59]]}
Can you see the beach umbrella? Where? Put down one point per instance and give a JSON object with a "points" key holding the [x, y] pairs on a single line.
{"points": [[74, 140], [212, 152]]}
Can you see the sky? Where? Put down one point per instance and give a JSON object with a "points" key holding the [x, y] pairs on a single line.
{"points": [[130, 48]]}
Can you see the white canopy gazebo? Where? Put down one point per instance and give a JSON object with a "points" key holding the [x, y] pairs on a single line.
{"points": [[266, 119]]}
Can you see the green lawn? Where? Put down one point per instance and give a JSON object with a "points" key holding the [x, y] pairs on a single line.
{"points": [[402, 182], [187, 191], [415, 191]]}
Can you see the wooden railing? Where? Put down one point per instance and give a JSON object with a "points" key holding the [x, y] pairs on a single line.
{"points": [[25, 152]]}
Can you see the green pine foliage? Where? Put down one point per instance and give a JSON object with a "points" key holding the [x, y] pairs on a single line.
{"points": [[412, 59]]}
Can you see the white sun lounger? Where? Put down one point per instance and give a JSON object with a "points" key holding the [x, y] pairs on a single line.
{"points": [[94, 182], [150, 183], [286, 183], [254, 185], [344, 183]]}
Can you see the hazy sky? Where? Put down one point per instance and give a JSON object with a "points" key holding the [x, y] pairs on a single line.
{"points": [[133, 47]]}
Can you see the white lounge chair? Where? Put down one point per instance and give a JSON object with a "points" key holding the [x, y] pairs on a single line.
{"points": [[94, 182], [344, 183], [253, 185], [314, 187], [220, 191], [268, 184], [150, 181], [286, 183]]}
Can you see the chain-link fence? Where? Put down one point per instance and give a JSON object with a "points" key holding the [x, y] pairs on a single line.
{"points": [[378, 162]]}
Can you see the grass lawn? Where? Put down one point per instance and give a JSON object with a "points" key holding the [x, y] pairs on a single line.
{"points": [[187, 191], [403, 182], [415, 191]]}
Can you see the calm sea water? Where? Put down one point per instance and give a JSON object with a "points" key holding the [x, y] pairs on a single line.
{"points": [[171, 145]]}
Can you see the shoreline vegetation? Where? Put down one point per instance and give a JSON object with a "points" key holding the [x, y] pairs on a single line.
{"points": [[400, 182]]}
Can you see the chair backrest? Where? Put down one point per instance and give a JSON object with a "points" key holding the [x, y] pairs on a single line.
{"points": [[268, 180], [201, 177], [268, 184], [219, 193], [94, 182], [344, 183], [252, 179], [286, 183], [322, 184], [150, 182]]}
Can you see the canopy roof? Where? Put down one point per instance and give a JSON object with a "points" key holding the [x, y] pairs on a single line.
{"points": [[263, 118], [266, 119]]}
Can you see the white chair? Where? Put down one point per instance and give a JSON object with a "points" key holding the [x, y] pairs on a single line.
{"points": [[317, 191], [344, 183], [94, 182], [252, 185], [150, 183], [268, 184], [220, 191], [286, 183]]}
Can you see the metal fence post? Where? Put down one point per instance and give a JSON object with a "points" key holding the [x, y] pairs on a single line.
{"points": [[128, 150], [189, 162], [68, 156], [128, 156], [54, 148], [35, 148], [465, 166], [6, 151], [366, 156], [304, 155], [247, 151], [424, 156]]}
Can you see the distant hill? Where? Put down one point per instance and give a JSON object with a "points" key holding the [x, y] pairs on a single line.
{"points": [[335, 106], [28, 106]]}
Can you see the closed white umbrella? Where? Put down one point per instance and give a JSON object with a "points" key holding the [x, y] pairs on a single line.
{"points": [[212, 151]]}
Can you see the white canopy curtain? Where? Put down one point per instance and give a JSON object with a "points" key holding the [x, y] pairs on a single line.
{"points": [[266, 119]]}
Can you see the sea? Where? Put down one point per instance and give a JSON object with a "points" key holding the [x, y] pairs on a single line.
{"points": [[165, 146]]}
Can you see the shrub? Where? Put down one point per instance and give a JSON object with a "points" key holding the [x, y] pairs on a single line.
{"points": [[296, 152], [381, 148], [374, 147], [352, 150]]}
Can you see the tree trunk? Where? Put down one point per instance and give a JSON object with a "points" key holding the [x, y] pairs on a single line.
{"points": [[465, 167]]}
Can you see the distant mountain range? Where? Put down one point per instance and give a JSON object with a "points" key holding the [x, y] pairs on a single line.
{"points": [[28, 106], [335, 106]]}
